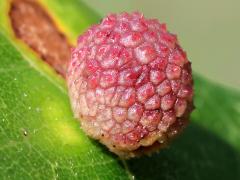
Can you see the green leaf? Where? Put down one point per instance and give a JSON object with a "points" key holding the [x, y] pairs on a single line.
{"points": [[39, 139]]}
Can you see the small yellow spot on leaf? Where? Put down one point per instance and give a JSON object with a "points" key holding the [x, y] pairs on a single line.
{"points": [[68, 134]]}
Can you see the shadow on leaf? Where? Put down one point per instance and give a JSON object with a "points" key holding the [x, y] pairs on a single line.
{"points": [[197, 154]]}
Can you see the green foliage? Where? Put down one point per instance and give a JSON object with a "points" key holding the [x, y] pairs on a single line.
{"points": [[40, 139]]}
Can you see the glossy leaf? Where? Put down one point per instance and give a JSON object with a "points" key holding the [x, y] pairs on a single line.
{"points": [[40, 139]]}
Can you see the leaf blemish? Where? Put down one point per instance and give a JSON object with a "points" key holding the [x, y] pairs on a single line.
{"points": [[25, 133], [33, 25]]}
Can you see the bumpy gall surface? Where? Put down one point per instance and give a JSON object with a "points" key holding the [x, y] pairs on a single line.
{"points": [[130, 84]]}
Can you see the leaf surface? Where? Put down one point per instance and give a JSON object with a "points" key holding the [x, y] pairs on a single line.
{"points": [[40, 139]]}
